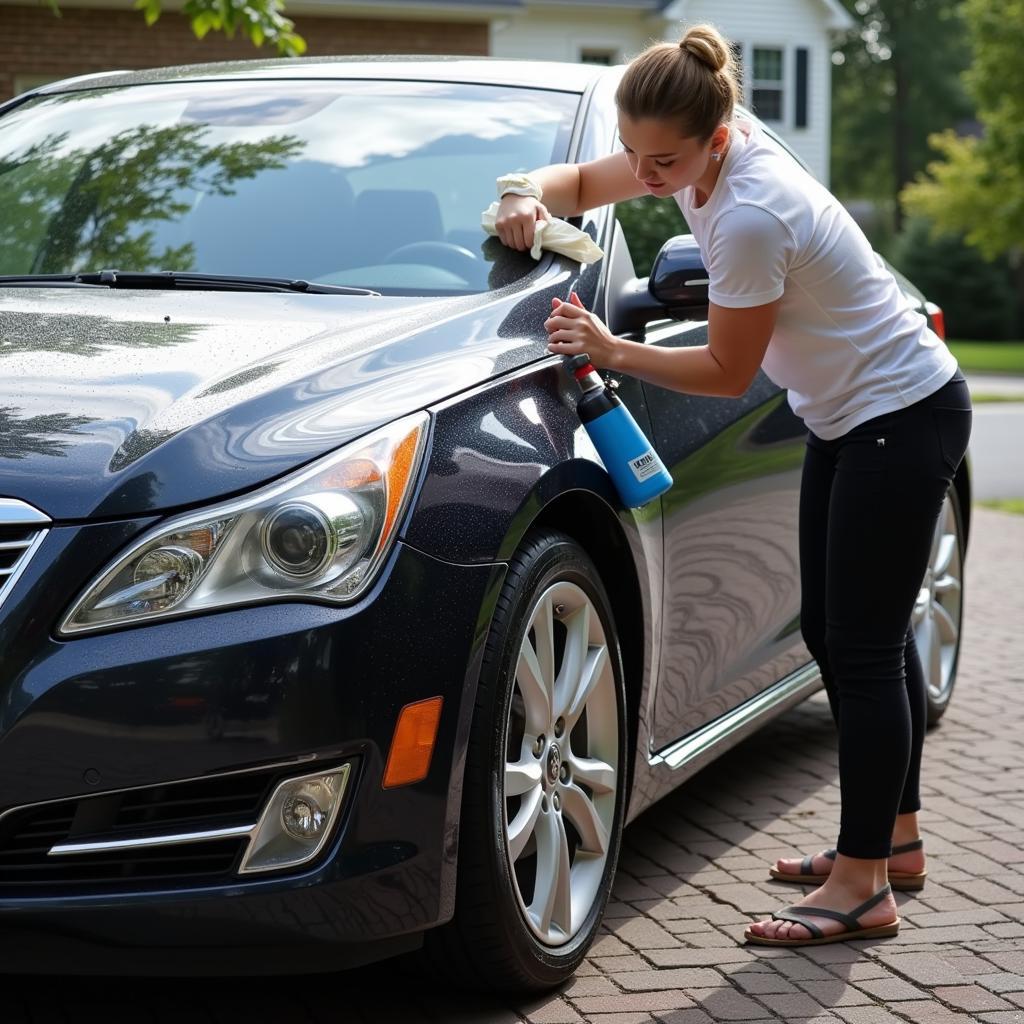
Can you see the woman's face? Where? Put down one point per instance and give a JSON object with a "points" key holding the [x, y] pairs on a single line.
{"points": [[660, 157]]}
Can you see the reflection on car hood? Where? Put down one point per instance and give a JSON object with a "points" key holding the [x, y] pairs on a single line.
{"points": [[115, 403]]}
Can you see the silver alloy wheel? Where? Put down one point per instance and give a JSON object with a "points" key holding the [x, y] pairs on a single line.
{"points": [[937, 611], [562, 763]]}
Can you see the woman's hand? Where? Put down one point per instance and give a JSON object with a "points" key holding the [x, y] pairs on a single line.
{"points": [[572, 330], [516, 219]]}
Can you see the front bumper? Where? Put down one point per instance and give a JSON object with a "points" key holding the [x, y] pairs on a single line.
{"points": [[294, 686]]}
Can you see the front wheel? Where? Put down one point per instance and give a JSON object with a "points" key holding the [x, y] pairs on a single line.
{"points": [[545, 778]]}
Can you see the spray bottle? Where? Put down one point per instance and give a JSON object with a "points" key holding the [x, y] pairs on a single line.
{"points": [[634, 466]]}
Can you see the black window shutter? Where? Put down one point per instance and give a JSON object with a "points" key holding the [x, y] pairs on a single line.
{"points": [[801, 87]]}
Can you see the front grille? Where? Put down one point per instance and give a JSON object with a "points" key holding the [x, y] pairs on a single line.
{"points": [[27, 834], [22, 529]]}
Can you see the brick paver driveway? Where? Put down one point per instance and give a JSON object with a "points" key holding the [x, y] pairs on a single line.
{"points": [[693, 873]]}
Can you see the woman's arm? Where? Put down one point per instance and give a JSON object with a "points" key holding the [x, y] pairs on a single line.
{"points": [[568, 190], [571, 189], [737, 339]]}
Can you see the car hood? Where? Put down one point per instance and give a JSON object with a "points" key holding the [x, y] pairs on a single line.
{"points": [[116, 403]]}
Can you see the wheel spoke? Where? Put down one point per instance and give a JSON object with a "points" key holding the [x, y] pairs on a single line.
{"points": [[552, 899], [522, 776], [543, 629], [600, 777], [522, 826], [945, 626], [944, 557], [593, 669], [534, 688], [573, 658], [947, 585], [580, 810], [920, 607], [934, 656], [925, 638], [937, 534]]}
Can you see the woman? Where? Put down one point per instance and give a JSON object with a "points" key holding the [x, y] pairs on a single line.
{"points": [[796, 289]]}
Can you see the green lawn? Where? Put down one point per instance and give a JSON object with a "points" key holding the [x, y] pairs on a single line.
{"points": [[989, 356], [1006, 505], [985, 396]]}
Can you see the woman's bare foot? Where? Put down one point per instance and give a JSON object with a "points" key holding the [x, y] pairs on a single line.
{"points": [[833, 896], [911, 862], [905, 829], [853, 881]]}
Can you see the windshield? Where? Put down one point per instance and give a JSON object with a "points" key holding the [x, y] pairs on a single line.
{"points": [[377, 184]]}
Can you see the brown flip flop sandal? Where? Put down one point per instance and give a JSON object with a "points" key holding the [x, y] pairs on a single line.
{"points": [[799, 915], [904, 881]]}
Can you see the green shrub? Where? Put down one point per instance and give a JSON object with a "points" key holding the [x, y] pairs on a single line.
{"points": [[976, 296]]}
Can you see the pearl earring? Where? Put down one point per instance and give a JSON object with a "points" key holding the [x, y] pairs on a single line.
{"points": [[716, 156]]}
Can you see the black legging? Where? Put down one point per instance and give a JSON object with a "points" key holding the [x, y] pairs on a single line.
{"points": [[869, 503]]}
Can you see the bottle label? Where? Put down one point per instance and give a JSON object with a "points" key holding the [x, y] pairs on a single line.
{"points": [[644, 466]]}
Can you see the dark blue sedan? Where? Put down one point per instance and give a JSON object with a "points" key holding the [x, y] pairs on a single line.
{"points": [[324, 635]]}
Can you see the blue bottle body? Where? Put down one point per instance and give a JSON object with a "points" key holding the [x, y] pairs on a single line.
{"points": [[634, 466]]}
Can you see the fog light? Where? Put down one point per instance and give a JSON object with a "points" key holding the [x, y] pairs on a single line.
{"points": [[296, 821], [303, 817]]}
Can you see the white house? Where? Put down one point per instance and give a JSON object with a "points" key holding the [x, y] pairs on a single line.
{"points": [[785, 47]]}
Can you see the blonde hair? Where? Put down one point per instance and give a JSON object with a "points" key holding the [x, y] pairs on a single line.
{"points": [[694, 83]]}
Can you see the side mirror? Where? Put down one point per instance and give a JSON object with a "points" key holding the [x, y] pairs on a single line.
{"points": [[679, 280], [677, 288]]}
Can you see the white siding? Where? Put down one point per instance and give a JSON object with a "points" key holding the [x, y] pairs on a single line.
{"points": [[562, 33], [543, 34], [788, 26]]}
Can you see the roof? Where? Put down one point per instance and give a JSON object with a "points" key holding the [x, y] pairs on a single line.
{"points": [[491, 70], [840, 17], [506, 5], [837, 18]]}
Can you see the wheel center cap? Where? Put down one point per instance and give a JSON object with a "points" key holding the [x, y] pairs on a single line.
{"points": [[554, 763]]}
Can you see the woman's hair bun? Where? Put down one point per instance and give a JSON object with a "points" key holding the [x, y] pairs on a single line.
{"points": [[707, 45]]}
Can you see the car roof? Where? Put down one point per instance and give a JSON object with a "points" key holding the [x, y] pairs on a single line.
{"points": [[537, 74]]}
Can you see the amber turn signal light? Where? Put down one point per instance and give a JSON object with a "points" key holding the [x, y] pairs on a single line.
{"points": [[413, 743]]}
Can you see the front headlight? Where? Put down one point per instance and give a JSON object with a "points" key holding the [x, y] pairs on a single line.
{"points": [[321, 535]]}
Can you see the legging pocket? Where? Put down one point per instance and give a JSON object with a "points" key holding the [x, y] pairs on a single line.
{"points": [[953, 429]]}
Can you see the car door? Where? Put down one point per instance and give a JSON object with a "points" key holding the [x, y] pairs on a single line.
{"points": [[730, 617]]}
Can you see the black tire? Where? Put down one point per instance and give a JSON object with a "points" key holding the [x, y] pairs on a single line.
{"points": [[938, 703], [488, 945]]}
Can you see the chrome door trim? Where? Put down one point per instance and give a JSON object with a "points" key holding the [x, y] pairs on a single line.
{"points": [[790, 690]]}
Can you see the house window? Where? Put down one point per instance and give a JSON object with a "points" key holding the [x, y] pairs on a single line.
{"points": [[596, 55], [767, 83]]}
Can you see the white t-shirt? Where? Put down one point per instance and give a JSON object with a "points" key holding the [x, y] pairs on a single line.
{"points": [[848, 345]]}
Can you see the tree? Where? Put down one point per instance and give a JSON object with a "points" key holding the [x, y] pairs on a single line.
{"points": [[648, 222], [977, 187], [977, 296], [72, 209], [260, 20], [895, 82]]}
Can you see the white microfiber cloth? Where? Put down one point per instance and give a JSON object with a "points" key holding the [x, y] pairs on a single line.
{"points": [[556, 235]]}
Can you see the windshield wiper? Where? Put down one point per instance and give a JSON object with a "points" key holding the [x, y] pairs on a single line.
{"points": [[181, 279]]}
